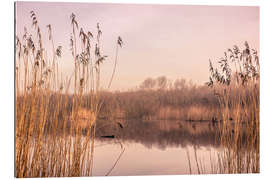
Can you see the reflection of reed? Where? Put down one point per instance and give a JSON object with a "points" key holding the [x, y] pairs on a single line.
{"points": [[241, 156], [238, 133], [189, 164], [108, 173]]}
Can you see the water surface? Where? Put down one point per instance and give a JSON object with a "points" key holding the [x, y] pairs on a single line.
{"points": [[156, 148]]}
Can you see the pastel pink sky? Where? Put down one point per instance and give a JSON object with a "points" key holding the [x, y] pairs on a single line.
{"points": [[172, 40]]}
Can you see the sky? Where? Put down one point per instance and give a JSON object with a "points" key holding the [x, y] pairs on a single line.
{"points": [[175, 41]]}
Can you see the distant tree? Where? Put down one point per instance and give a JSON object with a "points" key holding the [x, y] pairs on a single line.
{"points": [[180, 83], [170, 84], [148, 83], [162, 82]]}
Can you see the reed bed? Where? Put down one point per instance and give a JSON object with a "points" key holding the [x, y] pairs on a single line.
{"points": [[56, 116], [236, 84], [49, 139], [239, 157]]}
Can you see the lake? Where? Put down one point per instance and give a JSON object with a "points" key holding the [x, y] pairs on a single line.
{"points": [[140, 147], [160, 147]]}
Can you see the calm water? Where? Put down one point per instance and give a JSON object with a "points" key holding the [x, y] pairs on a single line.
{"points": [[155, 148]]}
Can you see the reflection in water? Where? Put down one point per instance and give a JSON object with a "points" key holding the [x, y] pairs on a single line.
{"points": [[140, 160], [155, 148], [163, 133]]}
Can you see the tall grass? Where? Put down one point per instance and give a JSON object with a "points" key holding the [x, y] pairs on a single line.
{"points": [[50, 123], [43, 106], [239, 157], [236, 83]]}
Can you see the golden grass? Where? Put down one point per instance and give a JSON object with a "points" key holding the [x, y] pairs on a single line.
{"points": [[239, 100], [238, 136], [240, 157], [192, 113], [49, 122]]}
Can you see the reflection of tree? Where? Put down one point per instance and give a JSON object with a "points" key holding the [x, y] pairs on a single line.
{"points": [[150, 135]]}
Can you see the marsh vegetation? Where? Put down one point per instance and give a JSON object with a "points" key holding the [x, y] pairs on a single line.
{"points": [[43, 104], [57, 123]]}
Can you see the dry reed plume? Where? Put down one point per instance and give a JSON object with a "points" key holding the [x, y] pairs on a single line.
{"points": [[49, 140], [236, 84]]}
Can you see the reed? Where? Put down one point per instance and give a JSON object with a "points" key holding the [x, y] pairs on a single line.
{"points": [[49, 137], [241, 157], [236, 84]]}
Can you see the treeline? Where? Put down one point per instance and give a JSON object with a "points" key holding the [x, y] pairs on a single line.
{"points": [[161, 98]]}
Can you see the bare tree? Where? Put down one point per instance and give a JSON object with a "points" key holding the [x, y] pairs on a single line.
{"points": [[148, 83], [162, 82], [180, 83]]}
